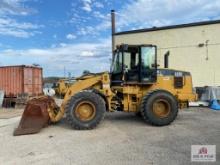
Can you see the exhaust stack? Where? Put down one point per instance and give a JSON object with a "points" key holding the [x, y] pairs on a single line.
{"points": [[113, 30], [166, 59]]}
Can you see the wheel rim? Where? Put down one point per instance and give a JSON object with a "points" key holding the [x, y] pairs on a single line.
{"points": [[161, 108], [85, 111]]}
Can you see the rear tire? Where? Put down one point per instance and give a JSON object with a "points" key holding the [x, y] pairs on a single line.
{"points": [[159, 108], [85, 110]]}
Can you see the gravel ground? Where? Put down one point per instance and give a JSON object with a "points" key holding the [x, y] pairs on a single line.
{"points": [[121, 138], [10, 113]]}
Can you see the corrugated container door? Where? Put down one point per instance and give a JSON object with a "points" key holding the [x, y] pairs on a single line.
{"points": [[16, 80], [11, 81], [37, 81], [28, 80]]}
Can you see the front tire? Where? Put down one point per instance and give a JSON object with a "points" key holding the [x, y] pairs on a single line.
{"points": [[159, 107], [85, 110]]}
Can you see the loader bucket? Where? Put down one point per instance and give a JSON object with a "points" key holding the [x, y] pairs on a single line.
{"points": [[35, 116]]}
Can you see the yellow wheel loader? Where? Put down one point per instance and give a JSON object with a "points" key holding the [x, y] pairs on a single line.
{"points": [[134, 84]]}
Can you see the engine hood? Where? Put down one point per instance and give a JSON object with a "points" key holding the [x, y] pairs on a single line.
{"points": [[172, 72]]}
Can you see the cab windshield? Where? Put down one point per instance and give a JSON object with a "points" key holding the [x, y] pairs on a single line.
{"points": [[116, 66]]}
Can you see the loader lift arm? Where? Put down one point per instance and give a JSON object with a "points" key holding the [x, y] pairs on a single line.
{"points": [[40, 111]]}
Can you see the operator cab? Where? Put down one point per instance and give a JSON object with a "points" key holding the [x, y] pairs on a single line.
{"points": [[134, 64]]}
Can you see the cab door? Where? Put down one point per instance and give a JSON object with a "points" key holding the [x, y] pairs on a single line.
{"points": [[117, 69], [131, 65], [148, 66]]}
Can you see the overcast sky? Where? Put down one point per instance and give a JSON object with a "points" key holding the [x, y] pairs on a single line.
{"points": [[75, 34]]}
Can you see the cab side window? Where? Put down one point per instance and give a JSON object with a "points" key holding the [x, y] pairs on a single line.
{"points": [[148, 63]]}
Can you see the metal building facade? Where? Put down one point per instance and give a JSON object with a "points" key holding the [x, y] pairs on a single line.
{"points": [[193, 47]]}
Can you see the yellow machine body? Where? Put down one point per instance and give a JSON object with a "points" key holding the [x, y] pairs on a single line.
{"points": [[132, 93], [91, 95]]}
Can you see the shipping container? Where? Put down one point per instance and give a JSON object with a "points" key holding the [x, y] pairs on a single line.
{"points": [[15, 80]]}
